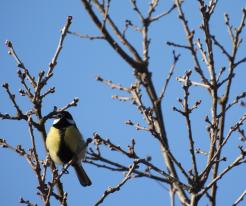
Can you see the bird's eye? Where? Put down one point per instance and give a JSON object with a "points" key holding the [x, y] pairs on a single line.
{"points": [[59, 115]]}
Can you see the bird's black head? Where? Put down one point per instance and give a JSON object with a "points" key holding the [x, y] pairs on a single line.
{"points": [[63, 119], [64, 114]]}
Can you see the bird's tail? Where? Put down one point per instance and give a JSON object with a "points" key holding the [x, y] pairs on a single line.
{"points": [[82, 176]]}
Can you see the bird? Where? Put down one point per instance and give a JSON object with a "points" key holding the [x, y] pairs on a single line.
{"points": [[64, 143]]}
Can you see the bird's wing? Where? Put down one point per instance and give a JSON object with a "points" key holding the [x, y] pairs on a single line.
{"points": [[75, 142]]}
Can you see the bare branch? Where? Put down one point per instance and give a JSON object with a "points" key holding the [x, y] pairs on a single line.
{"points": [[136, 8], [152, 6], [55, 179], [98, 141], [18, 149], [211, 6], [117, 48], [216, 42], [86, 36], [175, 60], [113, 166], [117, 32], [169, 43], [156, 18], [203, 52], [137, 126], [19, 114], [64, 32], [131, 154], [217, 153], [128, 23], [243, 60], [239, 199], [26, 202], [182, 80], [208, 41], [236, 162], [112, 85], [222, 70], [49, 91], [236, 100], [20, 64], [229, 27], [186, 114], [27, 91], [190, 37], [111, 190]]}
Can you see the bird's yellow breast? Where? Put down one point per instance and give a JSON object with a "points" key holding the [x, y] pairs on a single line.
{"points": [[72, 138], [53, 141]]}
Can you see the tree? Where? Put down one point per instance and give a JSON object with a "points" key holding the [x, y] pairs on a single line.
{"points": [[211, 109]]}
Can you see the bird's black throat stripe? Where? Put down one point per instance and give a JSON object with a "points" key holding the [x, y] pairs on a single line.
{"points": [[64, 153]]}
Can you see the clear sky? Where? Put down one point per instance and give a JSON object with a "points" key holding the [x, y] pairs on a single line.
{"points": [[33, 27]]}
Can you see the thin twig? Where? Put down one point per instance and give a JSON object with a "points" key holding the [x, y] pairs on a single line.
{"points": [[26, 202], [112, 85], [111, 190], [228, 136], [181, 79], [136, 9], [190, 37], [169, 43], [18, 149], [236, 162], [240, 198], [64, 32], [12, 98], [20, 64], [216, 42], [175, 60], [135, 63], [155, 18], [85, 36], [116, 30], [56, 178], [115, 166]]}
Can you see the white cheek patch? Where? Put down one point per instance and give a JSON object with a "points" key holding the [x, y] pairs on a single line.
{"points": [[55, 121], [71, 121]]}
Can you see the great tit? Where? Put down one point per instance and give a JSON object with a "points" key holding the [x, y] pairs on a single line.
{"points": [[65, 143]]}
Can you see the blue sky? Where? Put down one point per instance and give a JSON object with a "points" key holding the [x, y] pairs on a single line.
{"points": [[33, 27]]}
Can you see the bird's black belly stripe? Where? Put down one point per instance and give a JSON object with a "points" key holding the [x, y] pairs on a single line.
{"points": [[64, 153]]}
